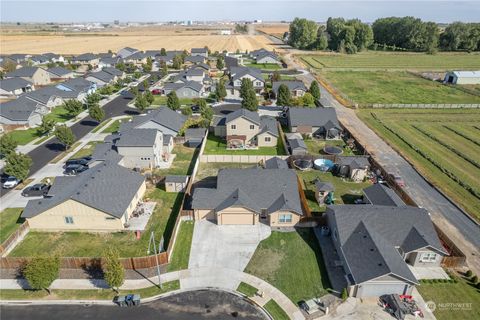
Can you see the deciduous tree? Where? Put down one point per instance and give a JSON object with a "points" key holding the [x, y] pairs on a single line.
{"points": [[7, 144], [97, 113], [41, 271], [221, 91], [18, 165], [65, 135], [46, 126], [172, 101], [73, 107], [113, 271]]}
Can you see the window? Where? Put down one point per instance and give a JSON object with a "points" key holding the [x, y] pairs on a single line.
{"points": [[268, 139], [233, 127], [428, 257], [252, 127], [258, 84], [68, 220], [285, 218]]}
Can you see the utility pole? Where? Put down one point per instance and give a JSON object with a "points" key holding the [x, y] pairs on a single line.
{"points": [[152, 241]]}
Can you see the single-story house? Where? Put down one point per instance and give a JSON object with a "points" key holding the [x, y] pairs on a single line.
{"points": [[194, 136], [140, 148], [297, 88], [60, 73], [276, 163], [101, 198], [21, 112], [138, 58], [125, 52], [376, 245], [115, 72], [317, 122], [462, 77], [35, 75], [322, 189], [86, 59], [39, 59], [176, 183], [199, 52], [353, 167], [15, 86], [53, 57], [163, 119], [247, 129], [267, 57], [250, 196], [381, 195], [101, 78], [77, 88], [189, 89], [109, 62]]}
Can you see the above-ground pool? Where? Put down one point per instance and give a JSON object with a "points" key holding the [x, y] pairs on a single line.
{"points": [[302, 164], [323, 164], [333, 150]]}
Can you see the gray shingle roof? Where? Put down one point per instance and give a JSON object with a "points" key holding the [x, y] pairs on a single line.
{"points": [[22, 72], [253, 188], [297, 144], [382, 195], [76, 84], [353, 161], [19, 109], [59, 71], [247, 114], [163, 116], [199, 50], [137, 138], [14, 84], [178, 179], [315, 117], [107, 187], [195, 59], [195, 133], [85, 57], [43, 95], [368, 235], [113, 71], [324, 186], [262, 55], [268, 124], [240, 72], [292, 85], [276, 163], [102, 75]]}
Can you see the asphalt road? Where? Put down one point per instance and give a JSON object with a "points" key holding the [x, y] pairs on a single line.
{"points": [[213, 305]]}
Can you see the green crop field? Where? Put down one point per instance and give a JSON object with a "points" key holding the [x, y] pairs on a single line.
{"points": [[443, 144], [397, 61]]}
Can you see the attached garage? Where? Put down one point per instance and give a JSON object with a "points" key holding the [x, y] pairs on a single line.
{"points": [[376, 289], [236, 218]]}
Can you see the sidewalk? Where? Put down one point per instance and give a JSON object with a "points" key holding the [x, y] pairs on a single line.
{"points": [[190, 279]]}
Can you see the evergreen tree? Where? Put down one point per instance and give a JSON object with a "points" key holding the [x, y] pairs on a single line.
{"points": [[221, 91], [315, 90], [250, 101], [97, 113], [46, 126], [7, 144], [73, 107], [220, 63], [113, 270], [65, 135], [283, 95], [172, 101]]}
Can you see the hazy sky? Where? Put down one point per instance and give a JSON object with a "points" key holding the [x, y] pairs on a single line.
{"points": [[268, 10]]}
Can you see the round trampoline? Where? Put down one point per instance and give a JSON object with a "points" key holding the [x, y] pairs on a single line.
{"points": [[302, 164], [332, 150], [323, 164]]}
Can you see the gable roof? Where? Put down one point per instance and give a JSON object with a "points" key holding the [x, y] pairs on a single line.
{"points": [[40, 58], [276, 163], [43, 95], [315, 117], [255, 189], [107, 187], [324, 186], [125, 52], [297, 144], [177, 178], [102, 76], [265, 54], [137, 138], [163, 116], [355, 162], [85, 57], [244, 113], [113, 71], [292, 85], [195, 59], [59, 71], [23, 72], [199, 50], [268, 124], [12, 84], [19, 109], [240, 72], [379, 194], [76, 84]]}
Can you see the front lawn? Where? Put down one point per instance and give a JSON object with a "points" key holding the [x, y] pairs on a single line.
{"points": [[87, 150], [181, 251], [82, 244], [275, 310], [247, 289], [459, 300], [217, 145], [346, 192], [115, 125], [264, 66], [162, 101], [10, 221], [292, 262], [183, 162], [315, 146], [59, 114]]}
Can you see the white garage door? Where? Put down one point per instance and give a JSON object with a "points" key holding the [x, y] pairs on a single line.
{"points": [[236, 218], [378, 289]]}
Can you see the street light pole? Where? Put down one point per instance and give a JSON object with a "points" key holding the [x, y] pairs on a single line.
{"points": [[152, 240]]}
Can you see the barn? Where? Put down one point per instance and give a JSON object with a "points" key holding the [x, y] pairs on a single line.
{"points": [[462, 77]]}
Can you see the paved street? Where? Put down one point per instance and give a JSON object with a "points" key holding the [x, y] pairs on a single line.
{"points": [[205, 304]]}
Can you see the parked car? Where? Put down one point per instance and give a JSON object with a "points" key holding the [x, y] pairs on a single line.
{"points": [[83, 161], [37, 190], [156, 92], [11, 182], [75, 169], [195, 108], [398, 180]]}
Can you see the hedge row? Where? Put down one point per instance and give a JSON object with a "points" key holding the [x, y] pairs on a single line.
{"points": [[462, 135]]}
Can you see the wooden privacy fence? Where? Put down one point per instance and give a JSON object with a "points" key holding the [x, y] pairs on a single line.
{"points": [[14, 238], [303, 199], [456, 258]]}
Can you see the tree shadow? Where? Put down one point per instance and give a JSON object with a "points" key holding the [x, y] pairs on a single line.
{"points": [[350, 198], [167, 235], [55, 146], [90, 123]]}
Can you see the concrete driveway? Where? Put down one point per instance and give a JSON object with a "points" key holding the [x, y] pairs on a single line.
{"points": [[225, 246]]}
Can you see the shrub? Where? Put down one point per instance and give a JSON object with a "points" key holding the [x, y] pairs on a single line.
{"points": [[344, 294], [474, 279], [468, 274]]}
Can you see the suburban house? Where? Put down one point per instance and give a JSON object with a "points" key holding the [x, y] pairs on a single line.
{"points": [[295, 143], [60, 73], [245, 129], [35, 75], [125, 52], [275, 163], [316, 122], [253, 54], [176, 183], [267, 57], [200, 52], [141, 148], [462, 77], [77, 88], [296, 88], [250, 196], [115, 72], [189, 89], [86, 59], [194, 73], [102, 198], [39, 59], [163, 119], [50, 97], [352, 167], [192, 60], [138, 58], [378, 246], [237, 74], [381, 195], [101, 78], [14, 87], [21, 112], [53, 57], [109, 62]]}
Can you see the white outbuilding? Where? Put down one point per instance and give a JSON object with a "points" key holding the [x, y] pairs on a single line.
{"points": [[462, 77]]}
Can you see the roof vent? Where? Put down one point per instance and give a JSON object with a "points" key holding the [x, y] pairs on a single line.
{"points": [[380, 264], [86, 185], [371, 249], [364, 236]]}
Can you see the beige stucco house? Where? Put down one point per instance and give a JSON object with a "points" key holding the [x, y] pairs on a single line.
{"points": [[141, 148], [100, 199], [35, 75], [250, 196]]}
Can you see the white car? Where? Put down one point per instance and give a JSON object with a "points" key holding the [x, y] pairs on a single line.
{"points": [[10, 183]]}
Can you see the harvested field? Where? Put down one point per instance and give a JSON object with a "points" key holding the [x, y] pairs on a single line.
{"points": [[442, 144], [276, 30]]}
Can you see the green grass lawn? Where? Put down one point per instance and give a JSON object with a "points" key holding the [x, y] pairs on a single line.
{"points": [[81, 244], [181, 251], [393, 60], [462, 292], [247, 289], [90, 294], [87, 150], [292, 262], [115, 125], [10, 221], [183, 162], [264, 66], [276, 311], [315, 146], [400, 129], [217, 145], [59, 114], [368, 87], [162, 101], [346, 192], [210, 169]]}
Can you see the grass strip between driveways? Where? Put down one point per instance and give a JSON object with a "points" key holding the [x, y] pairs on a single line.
{"points": [[90, 294], [181, 251], [275, 310], [247, 289]]}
